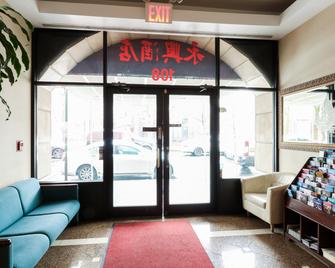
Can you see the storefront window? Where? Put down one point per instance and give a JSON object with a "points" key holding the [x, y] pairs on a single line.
{"points": [[69, 133], [246, 133]]}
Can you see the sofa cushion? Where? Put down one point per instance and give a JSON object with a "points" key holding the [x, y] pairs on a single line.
{"points": [[30, 194], [68, 207], [259, 199], [51, 225], [27, 250], [10, 207]]}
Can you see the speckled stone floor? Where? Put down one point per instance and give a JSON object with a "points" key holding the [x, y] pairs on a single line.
{"points": [[230, 242]]}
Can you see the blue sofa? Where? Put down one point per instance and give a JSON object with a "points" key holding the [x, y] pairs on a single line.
{"points": [[31, 218]]}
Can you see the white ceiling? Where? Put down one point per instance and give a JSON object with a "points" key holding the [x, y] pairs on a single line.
{"points": [[186, 20]]}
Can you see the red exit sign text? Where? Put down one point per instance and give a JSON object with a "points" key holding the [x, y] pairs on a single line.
{"points": [[158, 12]]}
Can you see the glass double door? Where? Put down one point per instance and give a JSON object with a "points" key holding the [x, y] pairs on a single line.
{"points": [[161, 152]]}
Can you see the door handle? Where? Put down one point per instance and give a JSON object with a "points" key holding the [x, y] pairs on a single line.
{"points": [[159, 133], [158, 164]]}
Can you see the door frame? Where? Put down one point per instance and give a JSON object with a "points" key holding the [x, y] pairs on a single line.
{"points": [[162, 93]]}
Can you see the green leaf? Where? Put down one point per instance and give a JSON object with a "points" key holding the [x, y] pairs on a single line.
{"points": [[30, 26], [2, 74], [15, 21], [10, 51], [16, 43], [10, 75]]}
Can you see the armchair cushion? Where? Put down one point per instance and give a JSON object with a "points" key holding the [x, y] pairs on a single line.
{"points": [[66, 207], [263, 195], [257, 199]]}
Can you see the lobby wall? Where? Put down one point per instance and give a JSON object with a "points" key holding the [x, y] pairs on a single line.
{"points": [[305, 54], [14, 165]]}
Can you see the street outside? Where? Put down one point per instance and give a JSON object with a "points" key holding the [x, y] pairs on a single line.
{"points": [[188, 185]]}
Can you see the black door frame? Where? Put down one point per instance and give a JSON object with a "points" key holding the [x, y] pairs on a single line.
{"points": [[162, 93]]}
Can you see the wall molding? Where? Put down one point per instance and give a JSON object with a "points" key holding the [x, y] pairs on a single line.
{"points": [[301, 146], [310, 84]]}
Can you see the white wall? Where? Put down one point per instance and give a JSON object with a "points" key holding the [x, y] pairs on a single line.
{"points": [[305, 54], [308, 52], [14, 165]]}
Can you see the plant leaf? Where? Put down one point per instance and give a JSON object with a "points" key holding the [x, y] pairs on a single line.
{"points": [[30, 26], [10, 75], [4, 102], [15, 21], [3, 74], [16, 43], [10, 51]]}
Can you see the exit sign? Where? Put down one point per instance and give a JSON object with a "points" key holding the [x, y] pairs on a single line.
{"points": [[158, 12]]}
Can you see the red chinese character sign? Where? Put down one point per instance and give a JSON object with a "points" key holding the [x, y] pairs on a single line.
{"points": [[162, 55]]}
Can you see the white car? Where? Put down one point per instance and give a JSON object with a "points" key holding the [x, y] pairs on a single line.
{"points": [[196, 146], [130, 161]]}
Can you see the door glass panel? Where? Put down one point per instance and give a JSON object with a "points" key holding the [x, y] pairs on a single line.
{"points": [[189, 155], [134, 150]]}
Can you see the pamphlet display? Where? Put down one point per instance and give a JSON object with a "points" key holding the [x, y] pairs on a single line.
{"points": [[310, 208]]}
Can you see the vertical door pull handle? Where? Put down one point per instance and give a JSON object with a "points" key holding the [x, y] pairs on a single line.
{"points": [[158, 158]]}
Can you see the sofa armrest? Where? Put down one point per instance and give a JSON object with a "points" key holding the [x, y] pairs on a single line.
{"points": [[256, 184], [59, 192], [6, 259], [275, 202]]}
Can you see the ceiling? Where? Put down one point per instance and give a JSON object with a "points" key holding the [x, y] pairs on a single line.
{"points": [[246, 6], [256, 19]]}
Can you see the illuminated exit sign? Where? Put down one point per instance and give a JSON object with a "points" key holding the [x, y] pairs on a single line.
{"points": [[158, 12]]}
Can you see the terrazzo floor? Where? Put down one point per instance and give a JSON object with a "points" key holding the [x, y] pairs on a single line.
{"points": [[230, 242]]}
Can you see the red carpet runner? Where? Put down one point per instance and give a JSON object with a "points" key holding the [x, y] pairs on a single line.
{"points": [[170, 244]]}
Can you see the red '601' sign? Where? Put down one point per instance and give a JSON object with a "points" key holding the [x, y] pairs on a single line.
{"points": [[152, 52]]}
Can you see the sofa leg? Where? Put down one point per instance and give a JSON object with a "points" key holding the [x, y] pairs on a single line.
{"points": [[272, 227], [77, 219]]}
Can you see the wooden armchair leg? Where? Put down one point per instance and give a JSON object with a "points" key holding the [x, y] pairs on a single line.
{"points": [[272, 227]]}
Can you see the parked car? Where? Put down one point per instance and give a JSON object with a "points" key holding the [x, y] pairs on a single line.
{"points": [[196, 146], [57, 152], [131, 161]]}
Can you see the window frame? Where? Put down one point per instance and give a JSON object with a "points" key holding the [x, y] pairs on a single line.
{"points": [[214, 111]]}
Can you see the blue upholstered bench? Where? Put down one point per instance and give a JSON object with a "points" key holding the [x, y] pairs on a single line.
{"points": [[31, 218]]}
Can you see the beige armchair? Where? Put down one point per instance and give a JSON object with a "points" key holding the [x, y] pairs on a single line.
{"points": [[263, 196]]}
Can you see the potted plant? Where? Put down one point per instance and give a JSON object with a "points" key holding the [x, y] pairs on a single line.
{"points": [[13, 55]]}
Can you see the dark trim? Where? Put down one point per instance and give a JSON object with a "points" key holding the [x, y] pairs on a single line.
{"points": [[33, 111], [50, 83], [275, 112], [248, 88], [166, 145], [275, 136], [108, 130], [215, 130]]}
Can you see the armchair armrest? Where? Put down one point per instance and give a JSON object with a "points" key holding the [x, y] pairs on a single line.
{"points": [[59, 192], [275, 202], [256, 184], [6, 259]]}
